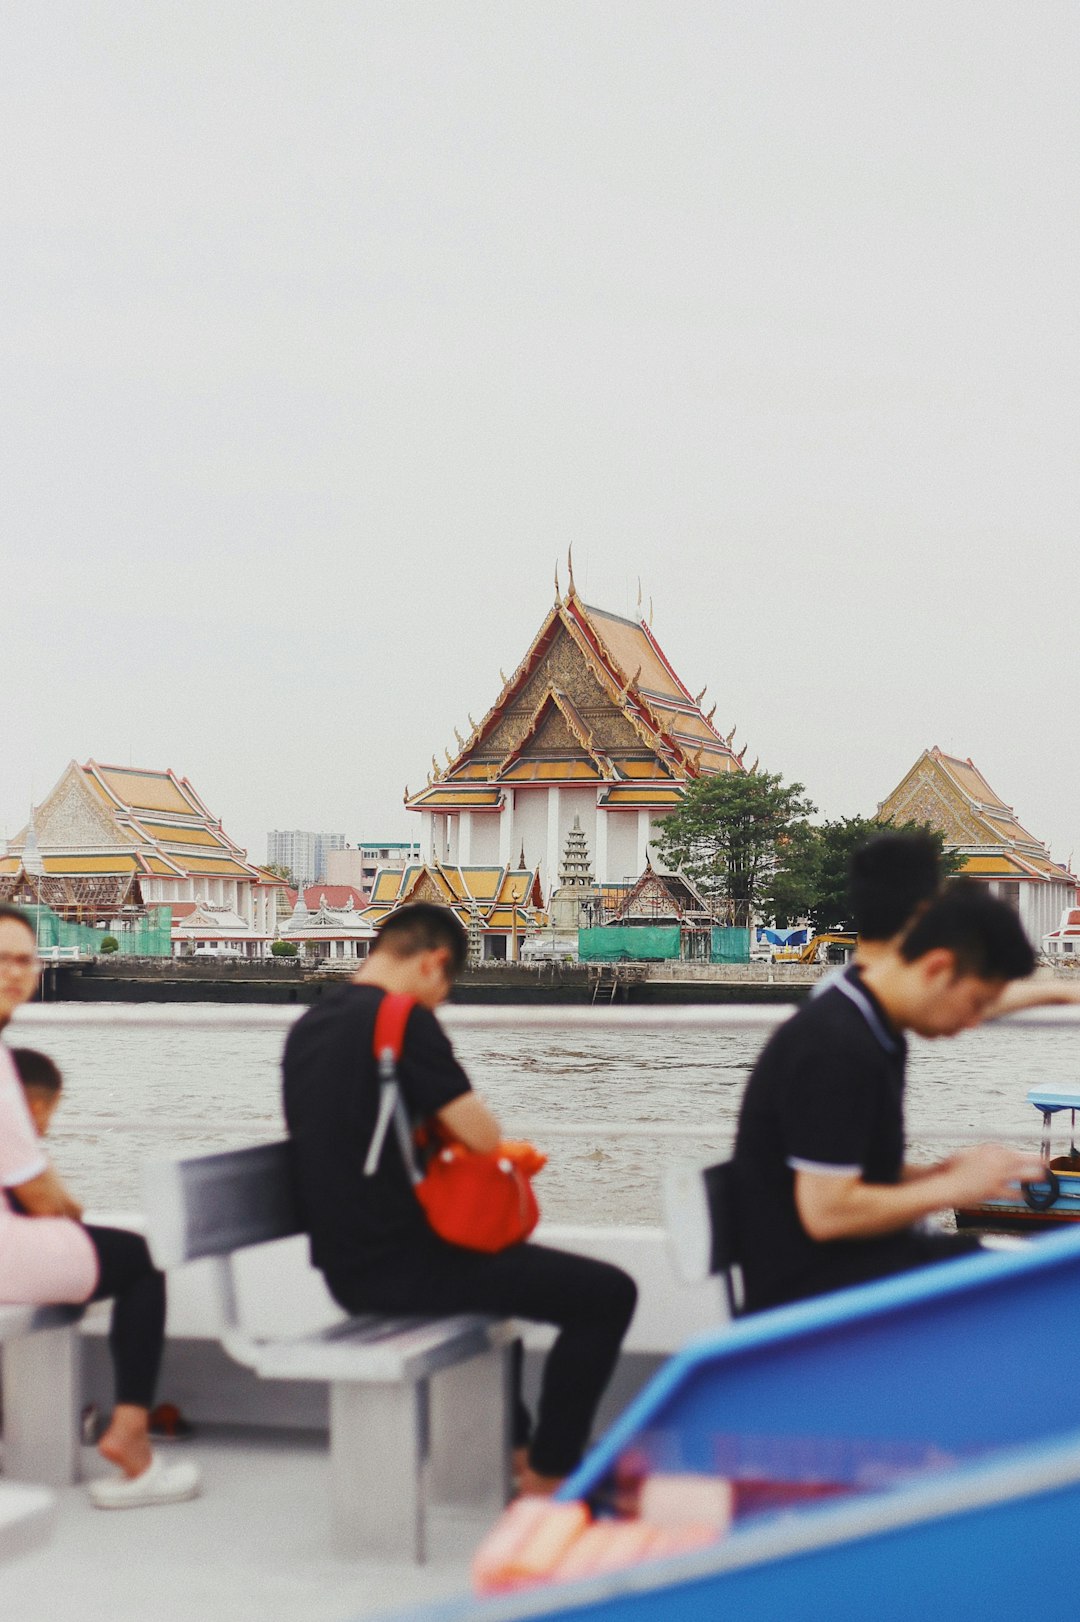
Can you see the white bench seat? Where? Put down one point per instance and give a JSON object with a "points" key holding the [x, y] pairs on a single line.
{"points": [[419, 1407]]}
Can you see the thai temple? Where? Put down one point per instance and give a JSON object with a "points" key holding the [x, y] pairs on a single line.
{"points": [[593, 730], [328, 922], [111, 841], [499, 906], [953, 796]]}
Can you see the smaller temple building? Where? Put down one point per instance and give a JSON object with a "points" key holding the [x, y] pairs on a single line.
{"points": [[1062, 945], [328, 922], [953, 796], [499, 906]]}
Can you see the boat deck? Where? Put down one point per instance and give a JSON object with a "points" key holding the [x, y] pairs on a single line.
{"points": [[254, 1548]]}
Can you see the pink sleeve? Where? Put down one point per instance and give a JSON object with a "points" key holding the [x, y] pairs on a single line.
{"points": [[20, 1148]]}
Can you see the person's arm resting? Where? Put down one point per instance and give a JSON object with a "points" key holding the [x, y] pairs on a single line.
{"points": [[469, 1120], [841, 1206], [45, 1195]]}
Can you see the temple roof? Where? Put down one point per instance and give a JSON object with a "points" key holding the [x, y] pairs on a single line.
{"points": [[662, 895], [594, 700], [125, 821], [496, 893], [953, 796]]}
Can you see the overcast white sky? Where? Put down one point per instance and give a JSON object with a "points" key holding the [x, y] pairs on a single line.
{"points": [[325, 328]]}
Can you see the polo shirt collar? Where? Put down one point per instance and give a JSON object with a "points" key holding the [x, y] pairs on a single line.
{"points": [[851, 985]]}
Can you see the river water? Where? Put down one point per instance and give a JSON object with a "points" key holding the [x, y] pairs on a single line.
{"points": [[133, 1095]]}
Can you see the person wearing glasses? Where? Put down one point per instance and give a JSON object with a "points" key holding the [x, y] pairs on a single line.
{"points": [[49, 1255]]}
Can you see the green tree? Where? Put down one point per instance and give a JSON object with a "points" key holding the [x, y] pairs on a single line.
{"points": [[733, 834], [817, 877], [283, 949], [109, 943], [280, 871]]}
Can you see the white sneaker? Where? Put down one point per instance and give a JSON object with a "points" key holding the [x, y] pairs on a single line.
{"points": [[160, 1484]]}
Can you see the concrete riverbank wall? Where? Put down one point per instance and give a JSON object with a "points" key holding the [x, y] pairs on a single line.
{"points": [[178, 981]]}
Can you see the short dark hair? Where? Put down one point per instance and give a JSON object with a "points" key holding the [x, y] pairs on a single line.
{"points": [[984, 933], [890, 877], [423, 926], [17, 916], [37, 1070]]}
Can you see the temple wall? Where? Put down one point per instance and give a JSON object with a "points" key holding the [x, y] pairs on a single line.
{"points": [[622, 862], [1041, 907], [485, 839], [530, 827], [580, 803]]}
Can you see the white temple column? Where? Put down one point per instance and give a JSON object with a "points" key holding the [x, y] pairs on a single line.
{"points": [[600, 856], [644, 828], [551, 876], [464, 841], [427, 836], [506, 829]]}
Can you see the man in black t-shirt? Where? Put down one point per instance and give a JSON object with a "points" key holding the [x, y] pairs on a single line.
{"points": [[823, 1195], [369, 1235]]}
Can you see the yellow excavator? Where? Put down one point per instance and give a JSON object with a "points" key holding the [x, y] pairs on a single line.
{"points": [[815, 945]]}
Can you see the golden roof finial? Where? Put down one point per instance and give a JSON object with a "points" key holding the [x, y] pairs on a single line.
{"points": [[460, 739], [449, 756], [742, 752], [570, 568], [650, 613], [502, 678], [472, 723], [435, 768], [406, 793], [710, 715], [701, 695], [639, 594], [730, 735], [558, 595], [754, 767]]}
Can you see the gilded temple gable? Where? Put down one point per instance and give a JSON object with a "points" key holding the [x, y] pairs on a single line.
{"points": [[73, 817]]}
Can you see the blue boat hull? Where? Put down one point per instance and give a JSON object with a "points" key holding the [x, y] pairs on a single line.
{"points": [[942, 1401]]}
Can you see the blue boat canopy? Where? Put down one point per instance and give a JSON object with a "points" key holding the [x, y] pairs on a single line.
{"points": [[1049, 1099]]}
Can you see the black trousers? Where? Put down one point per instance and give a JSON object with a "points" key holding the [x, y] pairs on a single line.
{"points": [[871, 1259], [590, 1302], [137, 1331]]}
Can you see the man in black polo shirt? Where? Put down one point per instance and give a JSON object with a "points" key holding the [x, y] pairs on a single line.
{"points": [[369, 1234], [823, 1196]]}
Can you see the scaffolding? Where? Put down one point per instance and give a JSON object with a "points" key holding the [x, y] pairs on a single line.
{"points": [[148, 934]]}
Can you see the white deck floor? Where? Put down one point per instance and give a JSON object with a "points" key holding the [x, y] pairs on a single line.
{"points": [[253, 1548]]}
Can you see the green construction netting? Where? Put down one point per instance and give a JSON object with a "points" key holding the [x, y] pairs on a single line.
{"points": [[624, 944], [731, 946], [148, 936]]}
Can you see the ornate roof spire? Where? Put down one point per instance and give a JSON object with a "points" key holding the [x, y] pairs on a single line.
{"points": [[571, 590]]}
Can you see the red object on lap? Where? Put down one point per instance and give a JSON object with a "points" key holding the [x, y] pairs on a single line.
{"points": [[479, 1201]]}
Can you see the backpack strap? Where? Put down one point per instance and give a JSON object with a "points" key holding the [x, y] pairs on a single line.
{"points": [[391, 1018]]}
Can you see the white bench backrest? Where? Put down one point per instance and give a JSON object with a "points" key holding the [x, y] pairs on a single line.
{"points": [[210, 1205]]}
